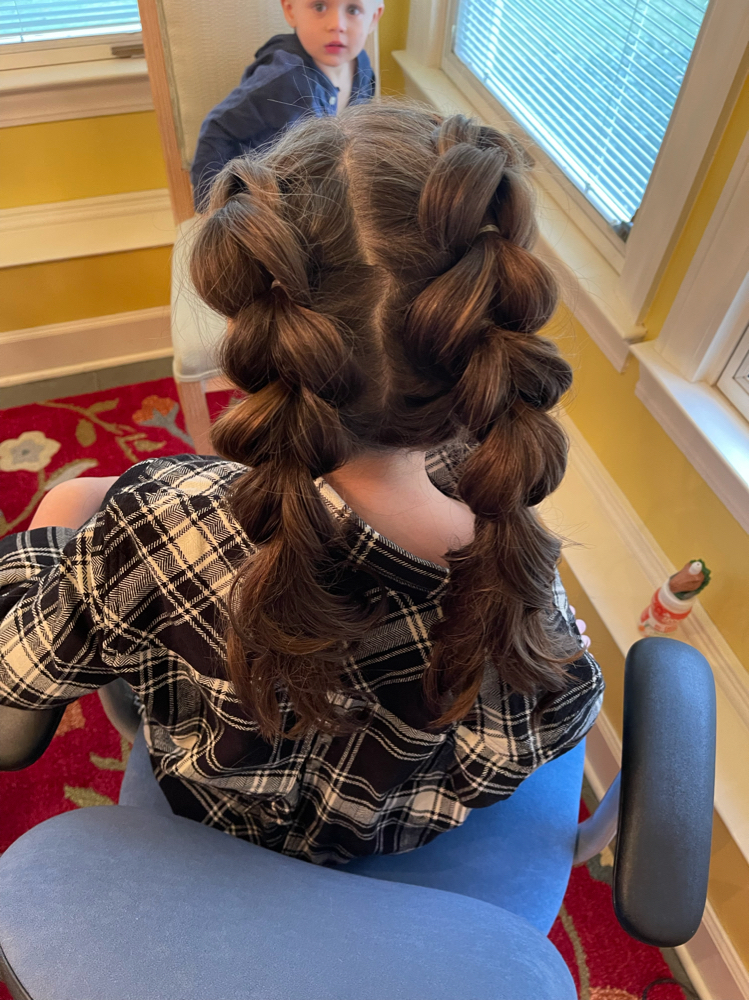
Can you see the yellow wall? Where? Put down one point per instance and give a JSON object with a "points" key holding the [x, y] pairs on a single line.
{"points": [[81, 158], [66, 290], [393, 34]]}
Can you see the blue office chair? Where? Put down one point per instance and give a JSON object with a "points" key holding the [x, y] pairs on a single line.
{"points": [[133, 903]]}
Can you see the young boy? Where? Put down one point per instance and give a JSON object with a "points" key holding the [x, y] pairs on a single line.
{"points": [[318, 70]]}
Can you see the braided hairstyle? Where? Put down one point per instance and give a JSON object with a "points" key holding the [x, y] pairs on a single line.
{"points": [[377, 270]]}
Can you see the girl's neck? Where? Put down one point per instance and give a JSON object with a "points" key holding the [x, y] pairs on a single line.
{"points": [[392, 492], [398, 468]]}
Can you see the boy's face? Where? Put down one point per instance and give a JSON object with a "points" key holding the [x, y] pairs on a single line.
{"points": [[330, 31]]}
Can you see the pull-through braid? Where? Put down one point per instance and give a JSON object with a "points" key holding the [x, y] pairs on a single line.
{"points": [[378, 270], [252, 265], [476, 326]]}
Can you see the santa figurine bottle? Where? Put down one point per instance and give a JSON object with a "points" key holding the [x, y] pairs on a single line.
{"points": [[673, 601]]}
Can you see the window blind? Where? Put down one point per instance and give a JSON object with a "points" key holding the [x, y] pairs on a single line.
{"points": [[593, 81], [39, 20]]}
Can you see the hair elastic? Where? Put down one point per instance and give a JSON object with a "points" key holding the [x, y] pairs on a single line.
{"points": [[488, 229]]}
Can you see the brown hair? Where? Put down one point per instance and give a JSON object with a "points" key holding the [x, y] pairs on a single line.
{"points": [[378, 271]]}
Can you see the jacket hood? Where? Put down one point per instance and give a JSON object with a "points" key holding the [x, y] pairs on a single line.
{"points": [[283, 43]]}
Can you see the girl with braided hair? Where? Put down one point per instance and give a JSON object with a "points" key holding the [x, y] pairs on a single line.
{"points": [[349, 631]]}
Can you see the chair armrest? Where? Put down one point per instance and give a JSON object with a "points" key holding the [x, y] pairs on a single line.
{"points": [[25, 735], [666, 809]]}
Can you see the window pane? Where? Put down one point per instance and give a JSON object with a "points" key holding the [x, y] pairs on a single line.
{"points": [[39, 20], [593, 81]]}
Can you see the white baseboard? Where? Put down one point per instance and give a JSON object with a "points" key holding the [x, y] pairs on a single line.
{"points": [[710, 959], [85, 227], [46, 352]]}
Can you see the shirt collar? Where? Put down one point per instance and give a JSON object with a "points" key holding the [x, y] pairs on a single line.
{"points": [[394, 565]]}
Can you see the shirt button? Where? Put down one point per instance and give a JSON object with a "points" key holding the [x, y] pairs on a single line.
{"points": [[331, 100]]}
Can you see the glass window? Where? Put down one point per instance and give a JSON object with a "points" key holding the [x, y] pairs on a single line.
{"points": [[42, 20], [594, 82]]}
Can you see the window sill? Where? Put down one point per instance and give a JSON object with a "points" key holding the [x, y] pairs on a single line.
{"points": [[73, 90], [703, 424], [591, 286]]}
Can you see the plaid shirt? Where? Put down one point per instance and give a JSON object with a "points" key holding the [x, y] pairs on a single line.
{"points": [[138, 592]]}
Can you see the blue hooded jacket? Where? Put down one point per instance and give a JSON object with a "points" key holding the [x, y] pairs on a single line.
{"points": [[280, 87]]}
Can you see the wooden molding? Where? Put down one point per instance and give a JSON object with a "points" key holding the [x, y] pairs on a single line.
{"points": [[702, 424], [180, 189], [45, 352], [85, 227], [696, 339], [712, 80], [73, 90]]}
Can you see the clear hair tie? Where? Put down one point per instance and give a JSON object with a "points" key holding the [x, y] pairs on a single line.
{"points": [[488, 229]]}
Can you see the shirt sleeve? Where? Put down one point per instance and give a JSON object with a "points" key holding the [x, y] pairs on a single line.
{"points": [[52, 616]]}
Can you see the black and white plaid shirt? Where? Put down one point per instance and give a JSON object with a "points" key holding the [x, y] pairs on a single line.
{"points": [[138, 593]]}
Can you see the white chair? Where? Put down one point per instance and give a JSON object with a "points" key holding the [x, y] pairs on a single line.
{"points": [[196, 52]]}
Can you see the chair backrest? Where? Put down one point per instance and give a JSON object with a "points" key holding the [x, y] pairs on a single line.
{"points": [[196, 51], [207, 46]]}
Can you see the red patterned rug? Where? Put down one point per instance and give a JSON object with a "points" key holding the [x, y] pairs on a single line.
{"points": [[102, 434]]}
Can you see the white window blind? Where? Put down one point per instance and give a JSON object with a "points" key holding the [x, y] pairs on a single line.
{"points": [[40, 20], [593, 81]]}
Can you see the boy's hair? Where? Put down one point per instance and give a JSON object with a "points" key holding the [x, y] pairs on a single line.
{"points": [[378, 271]]}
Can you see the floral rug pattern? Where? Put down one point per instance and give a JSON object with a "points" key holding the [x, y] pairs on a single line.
{"points": [[99, 434], [103, 434]]}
